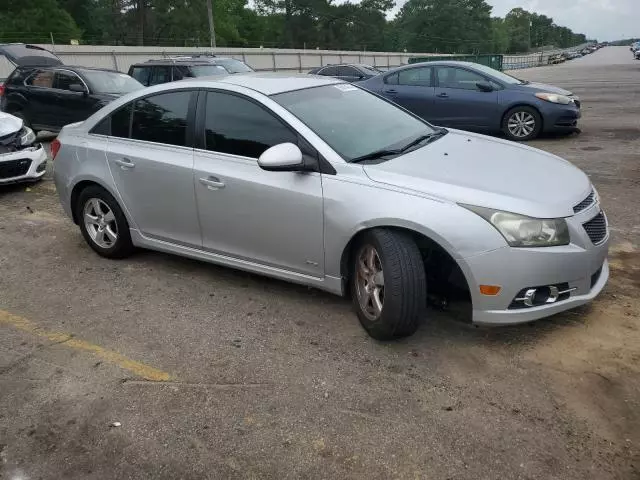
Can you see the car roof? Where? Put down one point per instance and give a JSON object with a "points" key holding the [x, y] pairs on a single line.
{"points": [[268, 83], [73, 68], [198, 60]]}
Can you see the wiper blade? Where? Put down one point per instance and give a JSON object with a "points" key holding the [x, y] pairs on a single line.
{"points": [[428, 137], [375, 155]]}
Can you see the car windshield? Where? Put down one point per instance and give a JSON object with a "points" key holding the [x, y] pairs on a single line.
{"points": [[207, 70], [110, 82], [498, 75], [354, 122], [234, 66]]}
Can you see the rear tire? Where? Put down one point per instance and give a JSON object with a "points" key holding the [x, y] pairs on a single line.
{"points": [[388, 284], [103, 224], [522, 123]]}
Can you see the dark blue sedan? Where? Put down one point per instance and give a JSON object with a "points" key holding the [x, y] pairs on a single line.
{"points": [[474, 97]]}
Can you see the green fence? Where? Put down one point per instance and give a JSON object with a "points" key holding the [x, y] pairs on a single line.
{"points": [[493, 61]]}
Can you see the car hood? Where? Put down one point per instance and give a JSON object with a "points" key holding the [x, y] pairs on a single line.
{"points": [[9, 124], [542, 87], [477, 170]]}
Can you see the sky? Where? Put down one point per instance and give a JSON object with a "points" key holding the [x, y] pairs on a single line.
{"points": [[604, 20]]}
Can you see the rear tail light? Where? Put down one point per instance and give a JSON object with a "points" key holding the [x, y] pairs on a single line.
{"points": [[55, 148], [1, 89]]}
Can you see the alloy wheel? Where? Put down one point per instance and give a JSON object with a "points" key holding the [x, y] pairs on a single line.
{"points": [[521, 124], [370, 283], [100, 223]]}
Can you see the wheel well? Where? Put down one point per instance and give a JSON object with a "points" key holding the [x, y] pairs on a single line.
{"points": [[523, 105], [13, 107], [444, 275], [75, 193]]}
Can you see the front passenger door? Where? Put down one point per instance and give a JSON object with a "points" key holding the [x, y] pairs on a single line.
{"points": [[72, 106], [269, 218]]}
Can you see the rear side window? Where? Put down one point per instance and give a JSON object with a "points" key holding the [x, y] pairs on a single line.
{"points": [[419, 77], [237, 126], [162, 118], [42, 79], [329, 71], [160, 75], [348, 72], [141, 74], [117, 124]]}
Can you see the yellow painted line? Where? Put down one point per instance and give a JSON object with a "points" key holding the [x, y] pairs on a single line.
{"points": [[137, 368]]}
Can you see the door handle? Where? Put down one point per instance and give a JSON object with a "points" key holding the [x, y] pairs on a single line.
{"points": [[212, 183], [125, 163], [443, 95], [392, 92]]}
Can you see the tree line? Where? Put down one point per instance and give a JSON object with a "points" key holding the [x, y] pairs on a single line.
{"points": [[446, 26]]}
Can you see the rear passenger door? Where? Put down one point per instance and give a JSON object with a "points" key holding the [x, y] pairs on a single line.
{"points": [[150, 156], [268, 218], [413, 89], [460, 103], [42, 105]]}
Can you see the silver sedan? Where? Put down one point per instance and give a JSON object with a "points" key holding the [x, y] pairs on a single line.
{"points": [[319, 182]]}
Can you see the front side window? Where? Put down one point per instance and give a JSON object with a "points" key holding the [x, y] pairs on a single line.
{"points": [[351, 120], [238, 126], [452, 77], [329, 71], [42, 79], [348, 72], [162, 118], [419, 77], [63, 80]]}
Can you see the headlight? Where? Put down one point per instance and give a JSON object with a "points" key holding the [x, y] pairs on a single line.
{"points": [[555, 98], [27, 137], [522, 231]]}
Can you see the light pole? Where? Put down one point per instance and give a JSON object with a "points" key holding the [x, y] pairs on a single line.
{"points": [[212, 30]]}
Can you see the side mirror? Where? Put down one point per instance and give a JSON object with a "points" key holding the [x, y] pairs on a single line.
{"points": [[78, 88], [484, 86], [284, 157]]}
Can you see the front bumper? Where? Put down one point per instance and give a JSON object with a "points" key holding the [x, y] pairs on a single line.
{"points": [[581, 264], [562, 118], [24, 165]]}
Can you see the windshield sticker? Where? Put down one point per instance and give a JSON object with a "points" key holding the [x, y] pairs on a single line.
{"points": [[346, 88]]}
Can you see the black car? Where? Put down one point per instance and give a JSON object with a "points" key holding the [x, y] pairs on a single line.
{"points": [[350, 72], [154, 72], [50, 97]]}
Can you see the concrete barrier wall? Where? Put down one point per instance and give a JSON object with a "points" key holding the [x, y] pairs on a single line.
{"points": [[120, 58]]}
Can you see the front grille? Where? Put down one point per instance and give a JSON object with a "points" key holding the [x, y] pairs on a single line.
{"points": [[596, 228], [14, 168], [585, 203]]}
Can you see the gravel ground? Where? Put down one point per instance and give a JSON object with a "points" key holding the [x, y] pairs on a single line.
{"points": [[262, 379]]}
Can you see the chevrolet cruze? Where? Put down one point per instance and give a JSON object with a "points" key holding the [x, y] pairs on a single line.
{"points": [[317, 181]]}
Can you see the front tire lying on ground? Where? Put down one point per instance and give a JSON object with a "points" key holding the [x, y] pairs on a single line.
{"points": [[388, 284], [102, 223]]}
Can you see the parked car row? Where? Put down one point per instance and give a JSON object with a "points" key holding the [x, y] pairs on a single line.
{"points": [[308, 178]]}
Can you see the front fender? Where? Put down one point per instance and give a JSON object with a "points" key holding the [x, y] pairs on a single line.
{"points": [[457, 230]]}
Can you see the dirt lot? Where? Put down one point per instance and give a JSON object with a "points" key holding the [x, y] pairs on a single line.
{"points": [[218, 374]]}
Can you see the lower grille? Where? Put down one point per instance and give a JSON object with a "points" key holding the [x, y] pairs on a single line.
{"points": [[577, 102], [14, 168], [544, 295], [596, 228]]}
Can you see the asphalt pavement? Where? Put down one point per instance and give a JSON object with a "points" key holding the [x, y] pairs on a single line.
{"points": [[166, 368]]}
